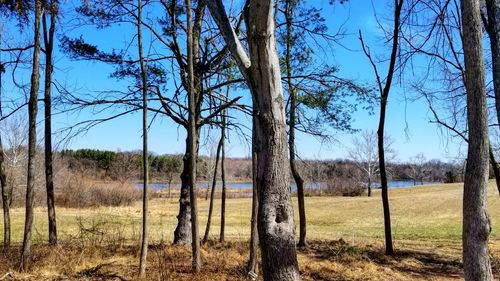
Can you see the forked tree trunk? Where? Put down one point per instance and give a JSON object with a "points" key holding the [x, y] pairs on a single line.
{"points": [[262, 72], [32, 113], [275, 217], [212, 194], [49, 158], [223, 179], [145, 160], [476, 223]]}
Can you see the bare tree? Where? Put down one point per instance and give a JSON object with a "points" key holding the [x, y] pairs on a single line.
{"points": [[384, 87], [48, 36], [32, 112], [262, 74], [364, 154], [476, 223], [418, 168]]}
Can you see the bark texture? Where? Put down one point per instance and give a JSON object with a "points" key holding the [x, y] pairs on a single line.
{"points": [[183, 232], [49, 158], [476, 223], [192, 131], [32, 113], [275, 217], [276, 226]]}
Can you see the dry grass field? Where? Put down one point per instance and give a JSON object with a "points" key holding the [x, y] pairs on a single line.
{"points": [[345, 234]]}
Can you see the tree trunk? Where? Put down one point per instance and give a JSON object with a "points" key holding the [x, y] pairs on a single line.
{"points": [[384, 95], [276, 225], [182, 233], [214, 183], [389, 250], [192, 130], [275, 216], [254, 233], [145, 160], [3, 180], [476, 223], [223, 179], [5, 199], [49, 173], [496, 170], [493, 28], [291, 136], [369, 187], [32, 112]]}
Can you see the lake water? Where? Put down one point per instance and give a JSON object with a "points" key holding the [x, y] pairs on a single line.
{"points": [[314, 185]]}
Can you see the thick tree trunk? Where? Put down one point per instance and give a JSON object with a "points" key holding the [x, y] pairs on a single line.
{"points": [[212, 194], [262, 72], [49, 173], [275, 216], [182, 233], [291, 135], [33, 110], [145, 160], [223, 179], [476, 223]]}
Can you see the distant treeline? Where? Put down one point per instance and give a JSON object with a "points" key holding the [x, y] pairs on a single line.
{"points": [[124, 166]]}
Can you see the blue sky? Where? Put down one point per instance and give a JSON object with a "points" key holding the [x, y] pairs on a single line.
{"points": [[407, 118]]}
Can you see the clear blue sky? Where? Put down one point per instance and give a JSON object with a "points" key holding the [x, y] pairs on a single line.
{"points": [[407, 120]]}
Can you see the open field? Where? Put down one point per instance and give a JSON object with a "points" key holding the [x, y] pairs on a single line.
{"points": [[346, 234]]}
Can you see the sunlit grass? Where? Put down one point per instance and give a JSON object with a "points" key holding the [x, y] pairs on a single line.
{"points": [[425, 214]]}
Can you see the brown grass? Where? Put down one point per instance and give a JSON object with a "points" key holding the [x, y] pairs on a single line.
{"points": [[346, 237]]}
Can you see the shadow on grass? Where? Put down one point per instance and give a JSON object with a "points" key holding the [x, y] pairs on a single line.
{"points": [[408, 262]]}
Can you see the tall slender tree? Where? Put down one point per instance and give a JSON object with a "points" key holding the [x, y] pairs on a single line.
{"points": [[3, 175], [32, 113], [476, 223], [48, 39], [222, 235], [192, 131], [384, 90], [145, 158], [299, 181]]}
